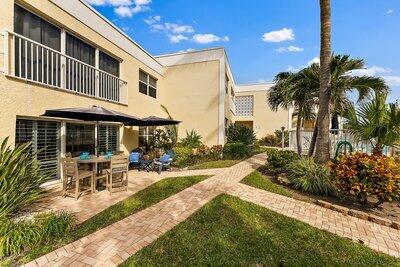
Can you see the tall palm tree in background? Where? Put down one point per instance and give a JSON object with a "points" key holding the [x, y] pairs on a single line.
{"points": [[344, 81], [323, 117], [375, 121], [295, 89]]}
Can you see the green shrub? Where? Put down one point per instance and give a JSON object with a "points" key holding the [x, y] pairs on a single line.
{"points": [[236, 151], [278, 134], [20, 178], [184, 156], [278, 160], [192, 139], [310, 177], [17, 236], [270, 140], [240, 134]]}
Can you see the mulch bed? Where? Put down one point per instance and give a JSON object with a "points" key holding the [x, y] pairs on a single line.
{"points": [[388, 210]]}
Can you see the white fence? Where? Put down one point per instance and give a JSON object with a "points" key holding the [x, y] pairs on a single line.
{"points": [[34, 62], [335, 137]]}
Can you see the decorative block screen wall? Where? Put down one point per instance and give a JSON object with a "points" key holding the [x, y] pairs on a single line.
{"points": [[244, 105]]}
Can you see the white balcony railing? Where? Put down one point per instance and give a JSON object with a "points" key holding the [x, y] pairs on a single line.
{"points": [[29, 60]]}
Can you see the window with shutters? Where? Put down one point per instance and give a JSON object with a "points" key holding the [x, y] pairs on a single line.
{"points": [[45, 138], [147, 84], [108, 137]]}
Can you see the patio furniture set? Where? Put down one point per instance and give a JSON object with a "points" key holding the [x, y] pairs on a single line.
{"points": [[86, 173]]}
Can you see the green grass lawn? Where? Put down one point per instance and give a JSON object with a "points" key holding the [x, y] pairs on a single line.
{"points": [[139, 201], [214, 164], [232, 232], [256, 179]]}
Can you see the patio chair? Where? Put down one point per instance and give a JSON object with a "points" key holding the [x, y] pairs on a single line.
{"points": [[163, 163], [75, 181], [117, 175], [134, 160]]}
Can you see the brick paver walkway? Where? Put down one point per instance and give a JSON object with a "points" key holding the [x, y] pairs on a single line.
{"points": [[112, 245], [89, 205]]}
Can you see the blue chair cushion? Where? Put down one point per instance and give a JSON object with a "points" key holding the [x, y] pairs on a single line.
{"points": [[165, 158], [134, 157]]}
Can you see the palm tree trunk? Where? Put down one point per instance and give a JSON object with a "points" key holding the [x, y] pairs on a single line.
{"points": [[298, 131], [313, 140], [322, 143]]}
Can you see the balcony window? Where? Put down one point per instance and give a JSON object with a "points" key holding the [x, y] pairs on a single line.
{"points": [[108, 64], [38, 56], [31, 61], [147, 84]]}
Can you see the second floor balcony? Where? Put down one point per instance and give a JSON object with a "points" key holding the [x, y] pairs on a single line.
{"points": [[29, 60]]}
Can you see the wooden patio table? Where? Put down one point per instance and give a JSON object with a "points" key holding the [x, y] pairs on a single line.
{"points": [[94, 161]]}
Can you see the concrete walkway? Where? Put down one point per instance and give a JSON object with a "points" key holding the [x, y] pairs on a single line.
{"points": [[112, 245]]}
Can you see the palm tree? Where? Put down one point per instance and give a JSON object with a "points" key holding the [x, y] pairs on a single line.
{"points": [[323, 117], [342, 82], [295, 89], [375, 121]]}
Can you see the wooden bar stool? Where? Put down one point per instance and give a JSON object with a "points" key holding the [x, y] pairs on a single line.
{"points": [[117, 175], [74, 180]]}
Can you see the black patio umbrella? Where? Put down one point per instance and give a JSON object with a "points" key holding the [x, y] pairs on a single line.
{"points": [[157, 121], [94, 113]]}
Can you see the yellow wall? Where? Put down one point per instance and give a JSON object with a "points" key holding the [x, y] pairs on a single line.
{"points": [[193, 92], [265, 121], [28, 99]]}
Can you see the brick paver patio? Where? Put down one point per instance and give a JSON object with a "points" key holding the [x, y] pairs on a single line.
{"points": [[89, 205], [112, 245]]}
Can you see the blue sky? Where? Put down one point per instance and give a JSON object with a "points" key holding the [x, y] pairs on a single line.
{"points": [[264, 37]]}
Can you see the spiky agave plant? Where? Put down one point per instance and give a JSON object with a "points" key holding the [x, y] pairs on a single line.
{"points": [[20, 178]]}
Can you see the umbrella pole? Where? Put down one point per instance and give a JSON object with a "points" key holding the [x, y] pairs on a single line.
{"points": [[95, 138]]}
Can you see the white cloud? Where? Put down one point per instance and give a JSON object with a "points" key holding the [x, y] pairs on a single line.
{"points": [[142, 2], [186, 50], [371, 71], [129, 11], [279, 36], [390, 11], [208, 38], [289, 48], [392, 80], [152, 20], [176, 28], [110, 2], [292, 69], [312, 61], [177, 38]]}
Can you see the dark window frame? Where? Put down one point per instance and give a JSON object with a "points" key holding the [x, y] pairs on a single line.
{"points": [[150, 89]]}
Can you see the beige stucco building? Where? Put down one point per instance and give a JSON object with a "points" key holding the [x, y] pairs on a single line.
{"points": [[64, 54], [252, 110]]}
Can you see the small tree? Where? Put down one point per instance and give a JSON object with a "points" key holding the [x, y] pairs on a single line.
{"points": [[192, 139], [375, 121]]}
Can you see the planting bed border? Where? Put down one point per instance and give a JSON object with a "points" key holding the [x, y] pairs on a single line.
{"points": [[359, 214]]}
